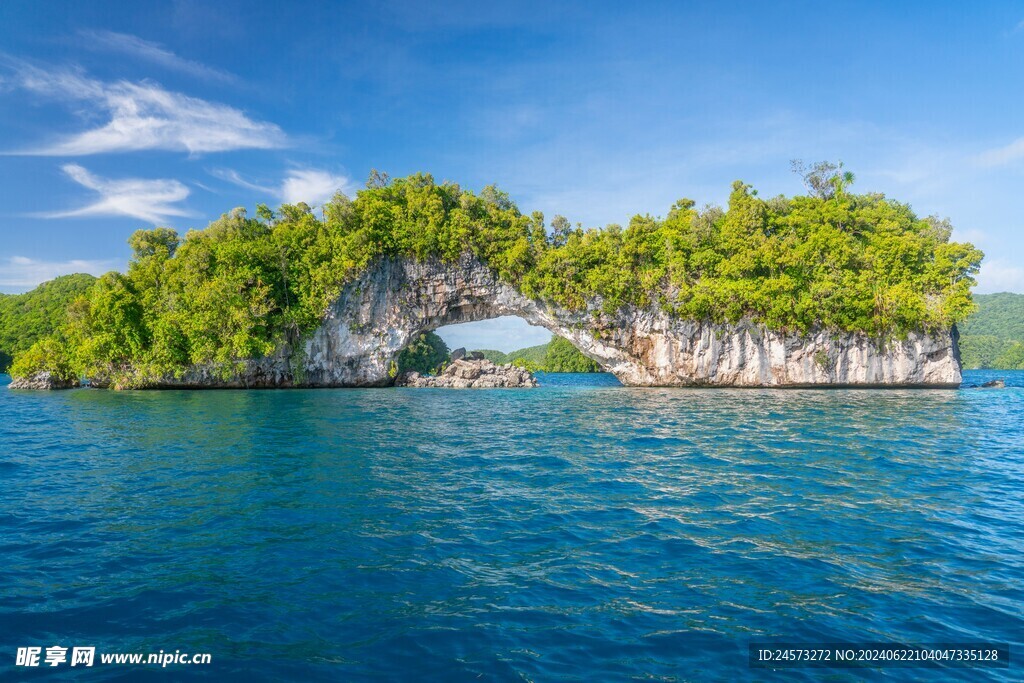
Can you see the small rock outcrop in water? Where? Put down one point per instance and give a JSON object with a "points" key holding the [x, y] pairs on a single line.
{"points": [[471, 374], [42, 381], [994, 384]]}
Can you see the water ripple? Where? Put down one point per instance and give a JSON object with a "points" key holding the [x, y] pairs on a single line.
{"points": [[580, 531]]}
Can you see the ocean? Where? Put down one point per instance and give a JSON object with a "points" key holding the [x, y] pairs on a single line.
{"points": [[578, 531]]}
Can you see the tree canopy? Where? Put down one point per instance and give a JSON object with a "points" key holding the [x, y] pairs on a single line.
{"points": [[558, 355], [993, 337], [27, 318], [244, 285], [426, 355], [562, 356]]}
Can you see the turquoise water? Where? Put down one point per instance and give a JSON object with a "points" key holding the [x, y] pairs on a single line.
{"points": [[581, 530]]}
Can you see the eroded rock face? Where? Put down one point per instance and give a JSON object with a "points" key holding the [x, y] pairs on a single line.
{"points": [[659, 351], [394, 301], [42, 381], [376, 316], [471, 374], [391, 304], [273, 372]]}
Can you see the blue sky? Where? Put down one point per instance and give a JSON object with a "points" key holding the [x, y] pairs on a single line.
{"points": [[115, 116]]}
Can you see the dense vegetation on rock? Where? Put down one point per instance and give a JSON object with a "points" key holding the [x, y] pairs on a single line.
{"points": [[993, 337], [558, 355], [426, 355], [246, 284], [29, 317]]}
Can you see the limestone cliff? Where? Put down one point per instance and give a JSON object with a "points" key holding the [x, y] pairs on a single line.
{"points": [[378, 314]]}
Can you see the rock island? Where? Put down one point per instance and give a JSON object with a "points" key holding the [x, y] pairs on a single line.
{"points": [[830, 288]]}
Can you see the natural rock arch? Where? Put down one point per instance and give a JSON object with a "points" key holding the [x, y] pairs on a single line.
{"points": [[392, 302], [377, 315]]}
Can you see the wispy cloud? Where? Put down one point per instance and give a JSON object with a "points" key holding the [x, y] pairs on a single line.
{"points": [[998, 275], [235, 178], [19, 273], [145, 116], [310, 185], [150, 200], [1000, 156], [152, 52]]}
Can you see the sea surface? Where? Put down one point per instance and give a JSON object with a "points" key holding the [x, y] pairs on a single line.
{"points": [[578, 531]]}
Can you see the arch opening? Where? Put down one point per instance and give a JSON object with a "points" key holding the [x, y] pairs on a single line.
{"points": [[505, 339], [391, 304]]}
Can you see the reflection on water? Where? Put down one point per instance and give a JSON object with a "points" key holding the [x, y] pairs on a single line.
{"points": [[580, 529]]}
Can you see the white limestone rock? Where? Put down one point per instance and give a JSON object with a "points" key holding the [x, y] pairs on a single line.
{"points": [[42, 381], [471, 374], [390, 304], [395, 300]]}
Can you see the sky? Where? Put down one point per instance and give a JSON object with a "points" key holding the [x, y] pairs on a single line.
{"points": [[120, 115]]}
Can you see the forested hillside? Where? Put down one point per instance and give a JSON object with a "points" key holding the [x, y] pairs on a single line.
{"points": [[531, 356], [26, 318], [993, 337], [558, 355]]}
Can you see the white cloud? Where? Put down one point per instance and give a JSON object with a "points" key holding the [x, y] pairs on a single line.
{"points": [[310, 185], [235, 178], [149, 200], [507, 333], [1000, 156], [998, 275], [20, 273], [973, 235], [152, 52], [146, 116]]}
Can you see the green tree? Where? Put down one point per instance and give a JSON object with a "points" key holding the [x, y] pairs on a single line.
{"points": [[27, 318], [46, 355], [562, 356], [989, 337], [1012, 358], [560, 230], [107, 328], [242, 287], [531, 357], [821, 179], [425, 354]]}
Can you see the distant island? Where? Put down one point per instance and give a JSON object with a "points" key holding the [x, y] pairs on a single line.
{"points": [[828, 288], [558, 355], [428, 354], [38, 314], [993, 337]]}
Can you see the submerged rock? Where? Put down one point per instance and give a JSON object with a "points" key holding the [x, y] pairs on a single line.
{"points": [[471, 374], [43, 381], [994, 384]]}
